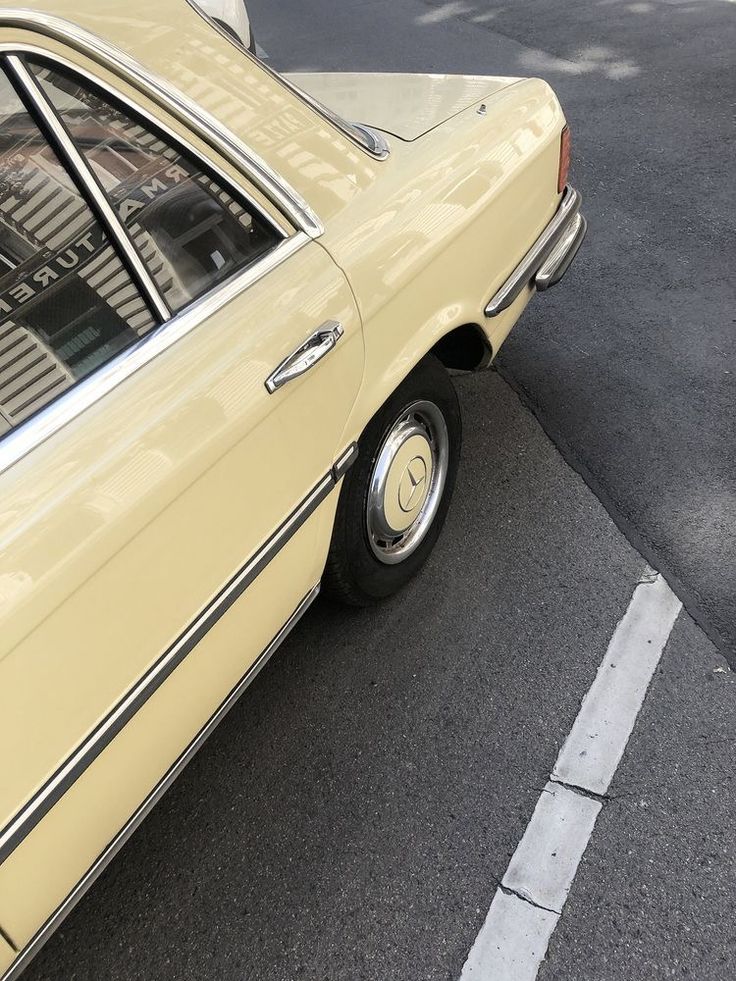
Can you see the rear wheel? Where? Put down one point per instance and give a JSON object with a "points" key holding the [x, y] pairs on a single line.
{"points": [[394, 500]]}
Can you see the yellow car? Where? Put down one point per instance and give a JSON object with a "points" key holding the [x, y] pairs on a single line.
{"points": [[226, 318]]}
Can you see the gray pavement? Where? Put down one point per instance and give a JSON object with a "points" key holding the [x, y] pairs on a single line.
{"points": [[351, 818], [654, 895], [631, 364]]}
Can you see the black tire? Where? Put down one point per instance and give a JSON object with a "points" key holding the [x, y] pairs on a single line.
{"points": [[353, 574]]}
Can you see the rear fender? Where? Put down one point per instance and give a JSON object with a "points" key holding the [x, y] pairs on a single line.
{"points": [[445, 222]]}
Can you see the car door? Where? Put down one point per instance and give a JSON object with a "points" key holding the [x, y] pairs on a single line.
{"points": [[177, 362]]}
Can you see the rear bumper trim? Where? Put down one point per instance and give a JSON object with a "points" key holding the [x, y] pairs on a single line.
{"points": [[549, 258]]}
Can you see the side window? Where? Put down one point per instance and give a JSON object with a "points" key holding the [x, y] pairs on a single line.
{"points": [[191, 232], [67, 304]]}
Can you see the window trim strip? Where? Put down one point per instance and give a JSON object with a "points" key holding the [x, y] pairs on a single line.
{"points": [[213, 133], [29, 951], [18, 442], [112, 91], [42, 801], [63, 144], [370, 141]]}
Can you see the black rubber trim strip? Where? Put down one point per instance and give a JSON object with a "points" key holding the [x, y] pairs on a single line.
{"points": [[62, 911], [20, 826]]}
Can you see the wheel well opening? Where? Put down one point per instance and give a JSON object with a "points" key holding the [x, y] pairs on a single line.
{"points": [[466, 348]]}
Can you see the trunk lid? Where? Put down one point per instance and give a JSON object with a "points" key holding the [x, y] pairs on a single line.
{"points": [[402, 105]]}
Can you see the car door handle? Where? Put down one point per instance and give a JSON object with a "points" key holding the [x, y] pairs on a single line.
{"points": [[316, 346]]}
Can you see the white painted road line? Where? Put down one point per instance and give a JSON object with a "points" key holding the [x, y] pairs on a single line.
{"points": [[513, 941], [599, 735], [546, 859]]}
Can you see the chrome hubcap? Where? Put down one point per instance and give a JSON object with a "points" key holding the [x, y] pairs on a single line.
{"points": [[407, 482]]}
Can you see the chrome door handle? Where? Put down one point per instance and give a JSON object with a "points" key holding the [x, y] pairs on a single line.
{"points": [[316, 346]]}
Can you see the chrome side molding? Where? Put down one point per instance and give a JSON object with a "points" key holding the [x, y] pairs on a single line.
{"points": [[42, 935], [556, 231], [36, 808]]}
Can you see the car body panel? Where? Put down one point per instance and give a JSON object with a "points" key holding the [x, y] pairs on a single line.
{"points": [[114, 535], [119, 528], [7, 955], [404, 105], [429, 255]]}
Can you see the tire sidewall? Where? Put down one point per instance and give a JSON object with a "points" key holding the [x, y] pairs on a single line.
{"points": [[373, 578]]}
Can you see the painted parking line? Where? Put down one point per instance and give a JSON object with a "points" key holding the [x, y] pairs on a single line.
{"points": [[526, 908], [599, 735]]}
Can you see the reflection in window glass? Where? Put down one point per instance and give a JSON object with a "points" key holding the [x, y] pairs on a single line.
{"points": [[67, 304], [191, 232]]}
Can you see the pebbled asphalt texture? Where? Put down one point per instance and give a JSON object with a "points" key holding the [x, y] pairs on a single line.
{"points": [[652, 896], [631, 364], [351, 817]]}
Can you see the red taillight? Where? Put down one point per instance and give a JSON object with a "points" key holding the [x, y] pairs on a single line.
{"points": [[565, 141]]}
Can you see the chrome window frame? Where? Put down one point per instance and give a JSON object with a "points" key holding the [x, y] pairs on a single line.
{"points": [[21, 440], [8, 49], [367, 139], [18, 442], [220, 139], [76, 165]]}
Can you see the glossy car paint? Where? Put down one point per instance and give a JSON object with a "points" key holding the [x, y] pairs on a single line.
{"points": [[118, 529], [7, 955], [402, 105]]}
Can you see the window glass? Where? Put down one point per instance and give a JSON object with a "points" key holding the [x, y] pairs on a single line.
{"points": [[191, 233], [67, 304]]}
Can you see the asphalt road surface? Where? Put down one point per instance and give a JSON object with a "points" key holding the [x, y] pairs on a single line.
{"points": [[353, 816], [631, 367]]}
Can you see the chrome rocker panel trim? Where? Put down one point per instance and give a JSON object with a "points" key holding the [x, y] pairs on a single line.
{"points": [[534, 264], [35, 809], [45, 932]]}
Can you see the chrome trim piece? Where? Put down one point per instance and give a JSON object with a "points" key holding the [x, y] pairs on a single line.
{"points": [[164, 94], [28, 435], [74, 160], [378, 144], [95, 742], [308, 354], [345, 462], [393, 545], [361, 135], [526, 270], [558, 261], [113, 92], [43, 934]]}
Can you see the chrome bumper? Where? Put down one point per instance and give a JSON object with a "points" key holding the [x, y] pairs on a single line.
{"points": [[549, 258]]}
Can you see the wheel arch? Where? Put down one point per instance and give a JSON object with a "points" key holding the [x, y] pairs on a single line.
{"points": [[465, 347]]}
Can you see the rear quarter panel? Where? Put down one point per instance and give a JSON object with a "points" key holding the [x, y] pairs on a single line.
{"points": [[447, 220]]}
